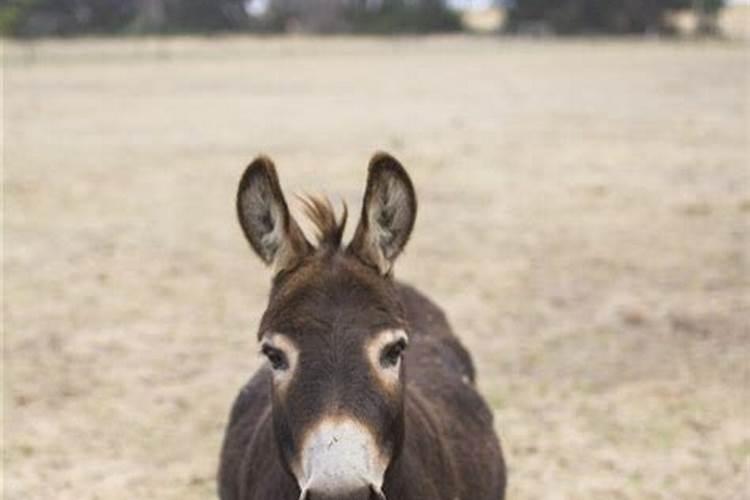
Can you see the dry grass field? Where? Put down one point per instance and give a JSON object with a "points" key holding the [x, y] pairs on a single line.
{"points": [[584, 219]]}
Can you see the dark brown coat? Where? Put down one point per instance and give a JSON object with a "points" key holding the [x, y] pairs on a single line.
{"points": [[435, 427]]}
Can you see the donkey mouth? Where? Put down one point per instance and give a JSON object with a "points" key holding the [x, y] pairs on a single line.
{"points": [[367, 493]]}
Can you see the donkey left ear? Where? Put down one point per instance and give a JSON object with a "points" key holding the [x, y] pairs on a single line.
{"points": [[389, 210], [265, 219]]}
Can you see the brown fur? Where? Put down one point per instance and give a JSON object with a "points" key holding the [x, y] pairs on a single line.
{"points": [[435, 427]]}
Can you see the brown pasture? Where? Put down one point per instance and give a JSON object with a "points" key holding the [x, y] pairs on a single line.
{"points": [[584, 217]]}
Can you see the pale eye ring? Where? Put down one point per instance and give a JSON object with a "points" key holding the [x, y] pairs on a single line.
{"points": [[276, 357], [391, 353]]}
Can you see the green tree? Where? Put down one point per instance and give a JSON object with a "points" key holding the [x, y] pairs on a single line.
{"points": [[63, 17], [598, 16], [69, 17], [402, 16]]}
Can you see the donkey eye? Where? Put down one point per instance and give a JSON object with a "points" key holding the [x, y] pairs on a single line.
{"points": [[392, 353], [276, 357]]}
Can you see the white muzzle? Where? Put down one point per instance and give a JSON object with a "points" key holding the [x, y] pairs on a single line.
{"points": [[340, 456]]}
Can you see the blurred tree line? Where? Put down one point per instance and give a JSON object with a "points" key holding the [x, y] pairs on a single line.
{"points": [[29, 18], [607, 16], [32, 18]]}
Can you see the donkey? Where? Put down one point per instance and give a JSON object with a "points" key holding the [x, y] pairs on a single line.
{"points": [[342, 410]]}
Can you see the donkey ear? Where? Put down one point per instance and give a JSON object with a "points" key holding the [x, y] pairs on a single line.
{"points": [[388, 213], [265, 218]]}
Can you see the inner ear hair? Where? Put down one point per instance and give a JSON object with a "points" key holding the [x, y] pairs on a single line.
{"points": [[265, 219], [389, 210]]}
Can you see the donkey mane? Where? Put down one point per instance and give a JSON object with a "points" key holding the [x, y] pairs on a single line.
{"points": [[329, 230]]}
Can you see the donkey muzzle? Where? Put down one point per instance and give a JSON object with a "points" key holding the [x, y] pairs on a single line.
{"points": [[340, 460]]}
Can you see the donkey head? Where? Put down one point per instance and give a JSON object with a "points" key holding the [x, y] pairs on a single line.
{"points": [[334, 330]]}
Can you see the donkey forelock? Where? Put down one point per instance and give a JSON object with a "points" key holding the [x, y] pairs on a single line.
{"points": [[321, 214]]}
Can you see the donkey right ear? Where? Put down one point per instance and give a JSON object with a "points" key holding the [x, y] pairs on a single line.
{"points": [[265, 219], [388, 213]]}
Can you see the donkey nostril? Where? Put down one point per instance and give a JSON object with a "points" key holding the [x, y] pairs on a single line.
{"points": [[376, 493]]}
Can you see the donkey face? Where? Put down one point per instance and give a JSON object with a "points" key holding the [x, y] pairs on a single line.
{"points": [[333, 331]]}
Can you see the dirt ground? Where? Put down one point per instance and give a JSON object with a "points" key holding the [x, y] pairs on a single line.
{"points": [[584, 215]]}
